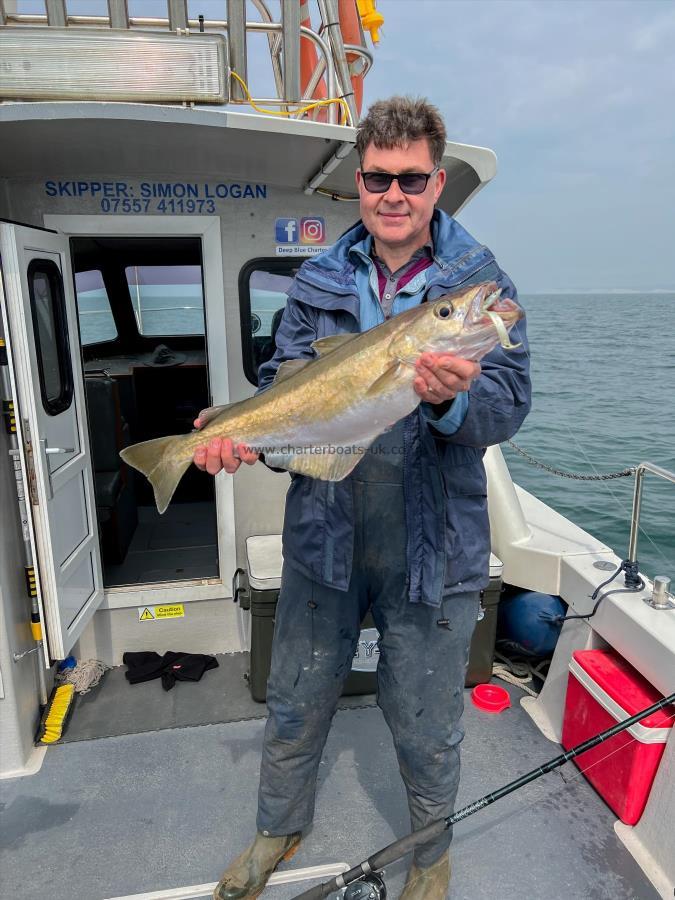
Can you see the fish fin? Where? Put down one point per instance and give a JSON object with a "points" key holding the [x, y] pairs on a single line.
{"points": [[388, 379], [324, 466], [404, 348], [325, 345], [290, 367], [162, 467], [209, 414]]}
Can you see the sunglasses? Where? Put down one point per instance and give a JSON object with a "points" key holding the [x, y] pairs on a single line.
{"points": [[409, 182]]}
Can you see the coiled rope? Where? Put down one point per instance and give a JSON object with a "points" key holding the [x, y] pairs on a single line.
{"points": [[84, 676], [520, 673]]}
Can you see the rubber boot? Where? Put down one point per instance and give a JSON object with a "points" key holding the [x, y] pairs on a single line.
{"points": [[247, 876], [428, 884]]}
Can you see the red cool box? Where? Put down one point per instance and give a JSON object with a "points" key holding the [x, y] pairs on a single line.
{"points": [[604, 689]]}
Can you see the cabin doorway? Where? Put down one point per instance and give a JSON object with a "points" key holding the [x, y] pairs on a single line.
{"points": [[143, 336], [137, 254]]}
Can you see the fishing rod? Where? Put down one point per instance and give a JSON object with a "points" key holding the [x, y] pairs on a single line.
{"points": [[366, 877]]}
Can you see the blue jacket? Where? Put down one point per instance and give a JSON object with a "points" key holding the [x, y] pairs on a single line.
{"points": [[447, 522]]}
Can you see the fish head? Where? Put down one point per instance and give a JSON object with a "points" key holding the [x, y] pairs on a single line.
{"points": [[467, 323]]}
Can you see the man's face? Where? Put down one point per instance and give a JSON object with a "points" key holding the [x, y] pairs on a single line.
{"points": [[396, 220]]}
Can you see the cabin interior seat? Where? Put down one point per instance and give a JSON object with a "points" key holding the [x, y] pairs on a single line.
{"points": [[115, 500]]}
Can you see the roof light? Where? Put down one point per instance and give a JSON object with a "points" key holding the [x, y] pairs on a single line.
{"points": [[87, 64]]}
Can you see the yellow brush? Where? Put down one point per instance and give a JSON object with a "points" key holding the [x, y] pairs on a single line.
{"points": [[54, 718]]}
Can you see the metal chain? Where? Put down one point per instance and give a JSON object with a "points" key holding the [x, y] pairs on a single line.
{"points": [[576, 476]]}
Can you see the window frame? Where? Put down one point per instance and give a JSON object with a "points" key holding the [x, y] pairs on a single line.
{"points": [[51, 271], [275, 265]]}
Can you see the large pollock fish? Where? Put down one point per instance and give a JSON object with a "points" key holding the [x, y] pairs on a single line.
{"points": [[320, 415]]}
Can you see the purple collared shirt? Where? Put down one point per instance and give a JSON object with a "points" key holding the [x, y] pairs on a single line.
{"points": [[390, 283]]}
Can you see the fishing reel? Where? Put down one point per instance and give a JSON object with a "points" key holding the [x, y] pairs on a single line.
{"points": [[370, 887]]}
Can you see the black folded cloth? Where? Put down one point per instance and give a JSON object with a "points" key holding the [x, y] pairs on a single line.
{"points": [[174, 666]]}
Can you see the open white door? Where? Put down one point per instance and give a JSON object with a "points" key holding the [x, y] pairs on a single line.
{"points": [[44, 347]]}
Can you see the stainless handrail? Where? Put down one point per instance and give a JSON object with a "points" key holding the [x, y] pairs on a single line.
{"points": [[56, 12], [290, 19], [330, 17], [640, 472], [365, 53], [274, 43], [238, 54], [315, 78]]}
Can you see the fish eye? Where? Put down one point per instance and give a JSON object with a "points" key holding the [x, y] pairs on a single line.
{"points": [[444, 310]]}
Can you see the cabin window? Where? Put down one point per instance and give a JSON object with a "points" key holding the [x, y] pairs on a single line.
{"points": [[263, 284], [167, 300], [93, 309], [47, 302]]}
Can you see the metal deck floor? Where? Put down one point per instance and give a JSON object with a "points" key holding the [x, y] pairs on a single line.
{"points": [[144, 812]]}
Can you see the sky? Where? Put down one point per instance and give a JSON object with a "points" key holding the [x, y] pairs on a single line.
{"points": [[577, 99]]}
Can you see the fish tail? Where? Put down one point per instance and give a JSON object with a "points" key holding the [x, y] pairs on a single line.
{"points": [[162, 467]]}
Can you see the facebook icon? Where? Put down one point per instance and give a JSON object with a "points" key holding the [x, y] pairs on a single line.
{"points": [[286, 231]]}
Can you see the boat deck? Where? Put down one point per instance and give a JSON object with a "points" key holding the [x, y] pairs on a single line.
{"points": [[141, 813]]}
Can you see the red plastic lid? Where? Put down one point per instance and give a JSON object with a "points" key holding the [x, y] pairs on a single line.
{"points": [[490, 698], [624, 684]]}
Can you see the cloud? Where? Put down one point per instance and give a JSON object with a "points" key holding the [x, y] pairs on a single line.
{"points": [[656, 33]]}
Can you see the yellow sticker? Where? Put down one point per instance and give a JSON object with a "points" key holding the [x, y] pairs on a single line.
{"points": [[171, 611], [166, 611]]}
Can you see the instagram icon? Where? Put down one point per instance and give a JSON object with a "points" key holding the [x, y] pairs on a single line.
{"points": [[312, 230]]}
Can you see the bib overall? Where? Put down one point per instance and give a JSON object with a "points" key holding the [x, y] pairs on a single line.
{"points": [[423, 653]]}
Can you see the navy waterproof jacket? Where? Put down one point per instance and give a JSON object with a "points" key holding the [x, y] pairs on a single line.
{"points": [[448, 546]]}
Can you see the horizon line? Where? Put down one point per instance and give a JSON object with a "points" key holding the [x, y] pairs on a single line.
{"points": [[617, 291]]}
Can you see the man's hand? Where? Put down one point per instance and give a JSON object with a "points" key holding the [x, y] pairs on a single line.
{"points": [[219, 454], [441, 376]]}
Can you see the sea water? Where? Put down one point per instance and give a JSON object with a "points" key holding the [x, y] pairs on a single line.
{"points": [[603, 374]]}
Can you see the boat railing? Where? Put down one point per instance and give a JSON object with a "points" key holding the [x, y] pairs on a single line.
{"points": [[337, 62], [631, 573]]}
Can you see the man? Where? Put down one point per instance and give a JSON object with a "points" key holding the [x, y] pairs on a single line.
{"points": [[406, 535]]}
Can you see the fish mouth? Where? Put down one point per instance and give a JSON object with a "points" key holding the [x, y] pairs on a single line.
{"points": [[493, 311], [507, 310]]}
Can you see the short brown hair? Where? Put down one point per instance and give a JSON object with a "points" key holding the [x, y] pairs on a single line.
{"points": [[398, 121]]}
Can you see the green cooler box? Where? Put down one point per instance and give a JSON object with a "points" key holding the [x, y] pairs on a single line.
{"points": [[257, 589]]}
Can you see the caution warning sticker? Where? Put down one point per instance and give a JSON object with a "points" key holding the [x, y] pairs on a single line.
{"points": [[167, 611]]}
